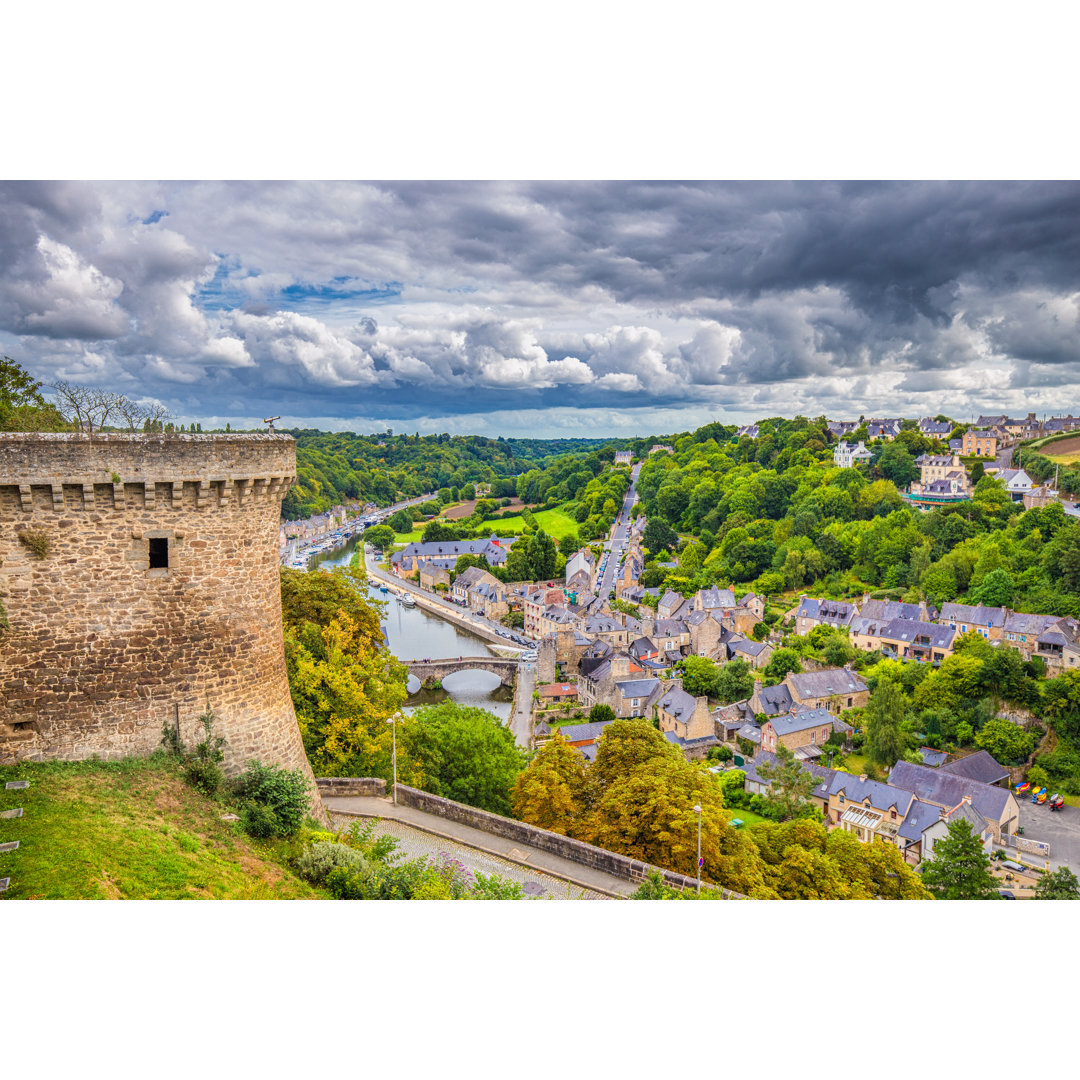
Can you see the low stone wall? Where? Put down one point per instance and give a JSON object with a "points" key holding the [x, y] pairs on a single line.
{"points": [[351, 785], [574, 850]]}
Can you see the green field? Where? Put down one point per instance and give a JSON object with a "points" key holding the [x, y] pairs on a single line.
{"points": [[132, 830], [553, 522]]}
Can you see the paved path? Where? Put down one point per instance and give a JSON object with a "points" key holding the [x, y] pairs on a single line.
{"points": [[521, 717], [343, 807], [620, 529]]}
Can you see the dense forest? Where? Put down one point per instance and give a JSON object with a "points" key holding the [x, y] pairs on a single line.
{"points": [[334, 467]]}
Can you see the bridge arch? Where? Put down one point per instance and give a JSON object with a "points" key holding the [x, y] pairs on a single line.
{"points": [[431, 671]]}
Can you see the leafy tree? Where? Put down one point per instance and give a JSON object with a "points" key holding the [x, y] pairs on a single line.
{"points": [[345, 684], [1005, 741], [735, 682], [700, 676], [402, 521], [22, 407], [659, 535], [791, 783], [897, 465], [884, 716], [1061, 884], [959, 869], [978, 471], [551, 792], [466, 754], [601, 713], [379, 536], [781, 663], [997, 589]]}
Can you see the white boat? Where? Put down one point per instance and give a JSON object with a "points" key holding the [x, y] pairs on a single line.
{"points": [[406, 600]]}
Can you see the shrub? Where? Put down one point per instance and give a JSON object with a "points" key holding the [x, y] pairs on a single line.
{"points": [[258, 820], [35, 541], [204, 776], [322, 857], [281, 792]]}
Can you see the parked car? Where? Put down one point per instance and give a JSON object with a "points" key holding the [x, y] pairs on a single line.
{"points": [[529, 657]]}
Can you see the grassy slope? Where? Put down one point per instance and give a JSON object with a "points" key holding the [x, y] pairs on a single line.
{"points": [[131, 830]]}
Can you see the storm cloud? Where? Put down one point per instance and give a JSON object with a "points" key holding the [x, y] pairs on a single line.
{"points": [[548, 307]]}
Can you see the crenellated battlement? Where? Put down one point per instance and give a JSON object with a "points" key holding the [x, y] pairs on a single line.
{"points": [[118, 471]]}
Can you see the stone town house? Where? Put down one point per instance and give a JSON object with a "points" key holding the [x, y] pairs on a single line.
{"points": [[801, 728]]}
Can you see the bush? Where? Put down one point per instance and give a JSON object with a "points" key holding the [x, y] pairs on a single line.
{"points": [[322, 857], [283, 793], [205, 776]]}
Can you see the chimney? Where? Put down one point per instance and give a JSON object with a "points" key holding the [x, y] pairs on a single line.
{"points": [[862, 777]]}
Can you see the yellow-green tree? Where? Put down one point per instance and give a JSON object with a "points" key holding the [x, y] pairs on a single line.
{"points": [[551, 792], [345, 683]]}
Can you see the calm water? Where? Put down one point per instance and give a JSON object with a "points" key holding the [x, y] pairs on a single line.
{"points": [[413, 634]]}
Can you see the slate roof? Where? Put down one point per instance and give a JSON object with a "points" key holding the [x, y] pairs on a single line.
{"points": [[669, 627], [917, 820], [581, 732], [776, 699], [494, 552], [972, 613], [884, 611], [638, 688], [907, 630], [966, 812], [834, 612], [1019, 622], [933, 757], [678, 703], [716, 598], [825, 683], [642, 646], [979, 766], [671, 600], [934, 427], [750, 732], [602, 624], [882, 796], [801, 720], [748, 646], [948, 790]]}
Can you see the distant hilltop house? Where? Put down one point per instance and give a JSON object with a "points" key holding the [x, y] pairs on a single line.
{"points": [[842, 428], [661, 448], [624, 457], [942, 479], [847, 454], [883, 430], [1017, 483], [980, 442], [934, 429]]}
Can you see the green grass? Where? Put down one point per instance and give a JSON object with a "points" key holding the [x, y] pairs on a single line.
{"points": [[132, 829], [748, 816], [553, 522]]}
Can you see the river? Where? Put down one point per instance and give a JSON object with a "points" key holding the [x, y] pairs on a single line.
{"points": [[414, 634]]}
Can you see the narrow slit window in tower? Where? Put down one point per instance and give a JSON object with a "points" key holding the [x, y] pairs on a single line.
{"points": [[159, 553]]}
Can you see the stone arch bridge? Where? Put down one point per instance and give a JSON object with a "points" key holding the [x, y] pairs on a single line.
{"points": [[431, 671]]}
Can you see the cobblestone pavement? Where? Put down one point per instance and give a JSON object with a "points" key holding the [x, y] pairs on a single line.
{"points": [[540, 886], [1058, 828]]}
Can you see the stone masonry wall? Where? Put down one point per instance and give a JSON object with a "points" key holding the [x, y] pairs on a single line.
{"points": [[101, 648], [575, 850]]}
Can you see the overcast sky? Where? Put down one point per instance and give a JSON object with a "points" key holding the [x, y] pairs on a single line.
{"points": [[548, 308]]}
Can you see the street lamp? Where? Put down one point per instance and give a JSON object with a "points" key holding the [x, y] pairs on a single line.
{"points": [[393, 736], [697, 810]]}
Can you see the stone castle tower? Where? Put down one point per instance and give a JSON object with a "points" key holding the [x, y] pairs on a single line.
{"points": [[145, 582]]}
